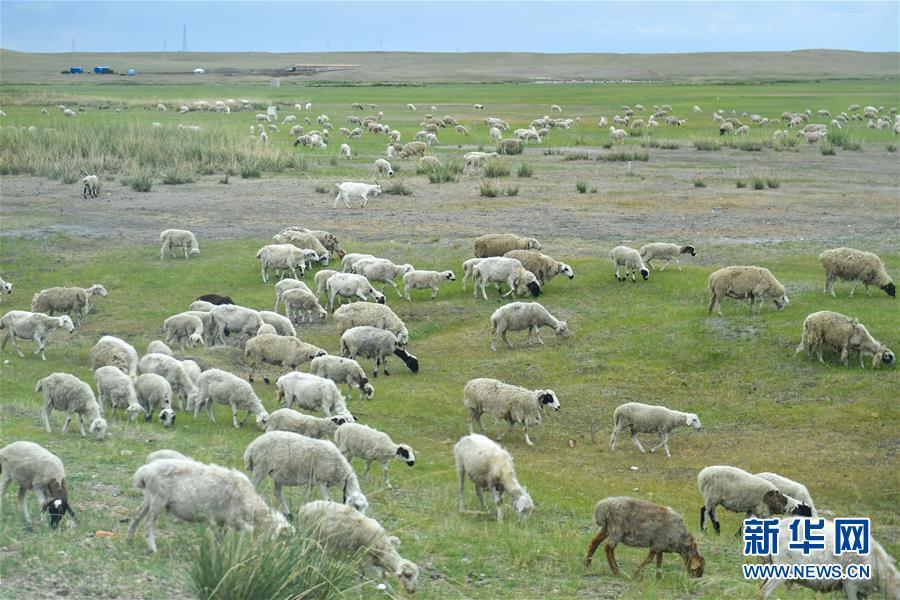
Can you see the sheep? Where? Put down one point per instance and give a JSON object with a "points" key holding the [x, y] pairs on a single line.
{"points": [[884, 575], [642, 524], [857, 266], [645, 418], [328, 240], [350, 285], [349, 260], [155, 391], [630, 259], [514, 404], [341, 529], [343, 370], [91, 185], [281, 325], [666, 252], [476, 160], [66, 392], [383, 270], [321, 278], [266, 329], [215, 299], [359, 441], [461, 129], [158, 347], [279, 350], [421, 280], [231, 318], [617, 135], [182, 328], [413, 150], [428, 164], [791, 488], [218, 386], [544, 267], [302, 303], [31, 326], [489, 466], [742, 283], [468, 270], [116, 389], [192, 491], [518, 316], [310, 392], [305, 240], [374, 315], [727, 127], [813, 136], [842, 334], [113, 351], [349, 188], [173, 371], [509, 146], [296, 460], [376, 343], [286, 257], [742, 492], [478, 107], [33, 467], [345, 151], [5, 288], [201, 306], [286, 419], [498, 244], [178, 238], [66, 300], [510, 271]]}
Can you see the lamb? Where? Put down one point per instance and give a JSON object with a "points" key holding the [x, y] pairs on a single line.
{"points": [[194, 492], [178, 238], [489, 466], [184, 328], [66, 392], [350, 285], [383, 167], [355, 440], [293, 459], [154, 391], [642, 524], [461, 129], [468, 270], [279, 350], [284, 285], [745, 282], [555, 107], [201, 306], [113, 351], [349, 188], [791, 488], [302, 303], [342, 370], [514, 404], [266, 329], [218, 386], [519, 316], [116, 389], [341, 529], [321, 278], [310, 392], [231, 318], [476, 160], [281, 325], [66, 300], [856, 266], [376, 343], [286, 257], [374, 315], [31, 326], [5, 288], [413, 150], [328, 241], [742, 492], [173, 371], [617, 135], [33, 467], [498, 244], [666, 252], [91, 184], [645, 418], [286, 419], [630, 260], [421, 280], [158, 347], [544, 267], [383, 270], [842, 334], [510, 271], [305, 240]]}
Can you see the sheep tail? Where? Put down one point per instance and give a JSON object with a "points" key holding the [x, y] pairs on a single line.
{"points": [[40, 384]]}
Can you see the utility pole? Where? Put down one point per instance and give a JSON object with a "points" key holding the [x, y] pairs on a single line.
{"points": [[73, 45], [184, 38]]}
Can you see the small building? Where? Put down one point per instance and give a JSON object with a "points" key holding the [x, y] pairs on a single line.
{"points": [[132, 72], [103, 71], [75, 70]]}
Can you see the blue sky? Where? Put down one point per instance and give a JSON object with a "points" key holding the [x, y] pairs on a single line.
{"points": [[624, 27]]}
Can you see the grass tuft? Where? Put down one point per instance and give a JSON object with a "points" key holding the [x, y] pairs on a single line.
{"points": [[525, 170], [139, 182], [512, 190], [577, 156], [581, 186], [488, 189], [699, 183], [397, 188], [496, 167], [707, 144]]}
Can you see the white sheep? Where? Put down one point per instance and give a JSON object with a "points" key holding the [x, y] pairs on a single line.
{"points": [[544, 267], [283, 351], [233, 319], [374, 315], [423, 280], [351, 285], [343, 371], [282, 325], [302, 303], [350, 260], [645, 418], [378, 344], [630, 260], [178, 238], [113, 351], [286, 419], [617, 135], [173, 371], [310, 392], [321, 278], [346, 152], [349, 188], [383, 270], [383, 167], [26, 325], [66, 392], [842, 334], [511, 403], [33, 467], [791, 488], [857, 266], [5, 288], [218, 386], [296, 460], [490, 467], [498, 244], [742, 283], [524, 316], [284, 257], [307, 241], [499, 270], [184, 328], [159, 347], [666, 252], [201, 306], [359, 441], [154, 391], [468, 270], [116, 389], [91, 186], [284, 285], [67, 300]]}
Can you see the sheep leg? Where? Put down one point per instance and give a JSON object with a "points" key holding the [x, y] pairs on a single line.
{"points": [[66, 424], [637, 442], [4, 483], [384, 471], [282, 504], [614, 436], [714, 304], [829, 284], [611, 558], [434, 291], [498, 502], [45, 415], [162, 251], [714, 519], [461, 476], [12, 336], [663, 443], [23, 505], [508, 429], [234, 419], [527, 439], [479, 491], [364, 200], [595, 543], [853, 288], [406, 293], [209, 410], [475, 415], [150, 525], [393, 283], [503, 335], [645, 562], [323, 491], [537, 332], [136, 520], [769, 586], [41, 345], [845, 355], [368, 466], [659, 565], [80, 423]]}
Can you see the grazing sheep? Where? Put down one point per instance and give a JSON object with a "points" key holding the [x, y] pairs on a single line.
{"points": [[5, 288], [173, 371], [158, 347], [544, 267], [476, 160], [343, 370], [67, 300], [349, 188], [66, 392], [266, 329], [422, 280], [374, 315], [666, 252], [842, 334], [113, 351], [281, 257], [350, 260], [376, 343], [630, 260], [201, 306], [642, 524], [178, 238], [413, 150], [286, 419], [116, 389], [33, 467], [383, 270], [310, 392], [345, 151], [305, 240], [617, 135], [154, 391], [194, 492], [184, 328], [510, 271], [91, 185], [302, 303], [288, 283], [285, 352], [742, 283], [339, 528], [296, 460], [856, 266], [215, 299], [321, 278], [490, 467], [742, 492], [498, 244], [328, 241], [520, 316], [383, 167], [359, 441], [509, 146], [645, 418], [511, 403], [31, 326], [279, 324], [218, 386], [351, 285], [791, 488], [231, 318]]}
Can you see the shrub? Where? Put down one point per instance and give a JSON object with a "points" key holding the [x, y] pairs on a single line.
{"points": [[444, 172], [512, 190], [178, 177], [773, 183], [250, 172], [488, 189], [139, 182], [496, 168], [624, 156], [322, 188], [607, 144], [580, 140], [891, 148], [525, 170], [668, 145], [741, 183], [577, 156], [593, 190], [581, 186], [333, 160], [650, 143], [706, 144], [827, 149], [551, 151], [224, 180], [758, 183], [852, 145], [397, 188], [699, 183]]}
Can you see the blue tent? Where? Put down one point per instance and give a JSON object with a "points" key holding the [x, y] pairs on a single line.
{"points": [[132, 72]]}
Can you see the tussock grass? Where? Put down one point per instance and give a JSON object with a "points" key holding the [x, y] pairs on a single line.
{"points": [[625, 156], [488, 189], [581, 186], [525, 170], [496, 167], [576, 156], [707, 144]]}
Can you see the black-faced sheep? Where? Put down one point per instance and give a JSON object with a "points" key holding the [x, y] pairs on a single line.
{"points": [[856, 266], [33, 467], [511, 403], [490, 467], [745, 283]]}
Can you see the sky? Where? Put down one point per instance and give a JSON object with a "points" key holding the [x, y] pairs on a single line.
{"points": [[556, 27]]}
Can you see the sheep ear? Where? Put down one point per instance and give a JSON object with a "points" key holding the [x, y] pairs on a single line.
{"points": [[695, 563], [402, 452]]}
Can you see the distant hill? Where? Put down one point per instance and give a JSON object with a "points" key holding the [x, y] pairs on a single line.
{"points": [[23, 67]]}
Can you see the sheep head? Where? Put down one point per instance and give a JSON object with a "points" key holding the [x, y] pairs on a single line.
{"points": [[883, 356], [405, 453], [562, 329], [692, 420], [688, 250], [645, 273], [523, 505], [548, 398], [167, 417], [98, 428], [408, 574], [367, 390], [890, 289], [57, 508], [66, 323], [776, 502], [8, 287], [411, 361]]}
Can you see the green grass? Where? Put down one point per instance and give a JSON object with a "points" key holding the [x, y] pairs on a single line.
{"points": [[512, 190], [139, 181], [699, 183], [397, 188], [741, 184], [758, 183], [496, 167], [581, 186], [576, 156], [707, 144], [488, 188], [525, 170]]}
